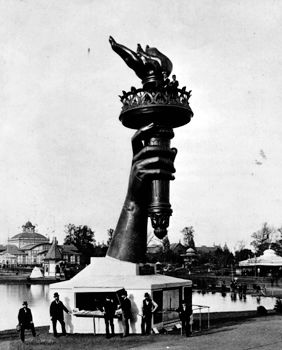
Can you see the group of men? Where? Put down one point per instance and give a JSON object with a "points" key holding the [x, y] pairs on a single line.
{"points": [[149, 306], [124, 311], [57, 309]]}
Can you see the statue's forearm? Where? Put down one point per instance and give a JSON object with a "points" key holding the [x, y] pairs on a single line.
{"points": [[130, 238]]}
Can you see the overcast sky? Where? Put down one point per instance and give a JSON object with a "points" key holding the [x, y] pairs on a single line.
{"points": [[64, 155]]}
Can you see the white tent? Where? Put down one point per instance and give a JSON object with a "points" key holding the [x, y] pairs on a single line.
{"points": [[36, 273], [108, 276], [268, 258]]}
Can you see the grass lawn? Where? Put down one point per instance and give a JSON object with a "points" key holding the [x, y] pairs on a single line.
{"points": [[77, 342], [250, 334]]}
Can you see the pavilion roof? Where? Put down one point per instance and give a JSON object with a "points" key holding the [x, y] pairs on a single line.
{"points": [[54, 252], [268, 258]]}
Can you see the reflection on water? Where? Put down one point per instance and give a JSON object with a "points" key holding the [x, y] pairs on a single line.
{"points": [[12, 296], [220, 302]]}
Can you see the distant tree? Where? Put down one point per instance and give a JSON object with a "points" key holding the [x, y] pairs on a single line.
{"points": [[223, 257], [188, 237], [100, 249], [280, 231], [240, 245], [243, 254], [205, 258], [110, 235], [261, 238], [225, 248], [82, 237]]}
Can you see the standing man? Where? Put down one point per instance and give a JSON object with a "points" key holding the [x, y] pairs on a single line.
{"points": [[109, 312], [125, 305], [25, 320], [173, 85], [185, 315], [57, 309], [148, 308]]}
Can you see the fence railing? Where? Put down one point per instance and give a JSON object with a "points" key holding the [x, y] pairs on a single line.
{"points": [[200, 314], [198, 317]]}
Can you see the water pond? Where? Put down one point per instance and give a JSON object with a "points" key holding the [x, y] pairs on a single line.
{"points": [[219, 302]]}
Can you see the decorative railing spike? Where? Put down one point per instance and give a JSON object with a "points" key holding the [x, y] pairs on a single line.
{"points": [[141, 97]]}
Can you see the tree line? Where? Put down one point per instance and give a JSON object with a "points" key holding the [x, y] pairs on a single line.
{"points": [[83, 238]]}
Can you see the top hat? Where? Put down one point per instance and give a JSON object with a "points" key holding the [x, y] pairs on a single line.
{"points": [[56, 294], [25, 303]]}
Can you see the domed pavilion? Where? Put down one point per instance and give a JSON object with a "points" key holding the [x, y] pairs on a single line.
{"points": [[189, 257], [27, 236], [268, 263]]}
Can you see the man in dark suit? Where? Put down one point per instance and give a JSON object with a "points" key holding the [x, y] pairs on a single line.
{"points": [[185, 313], [172, 87], [57, 309], [25, 320], [148, 308], [125, 305], [109, 313]]}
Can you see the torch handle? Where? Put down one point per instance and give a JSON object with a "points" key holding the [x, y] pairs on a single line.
{"points": [[159, 208]]}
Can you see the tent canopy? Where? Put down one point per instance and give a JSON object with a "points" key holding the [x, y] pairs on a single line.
{"points": [[36, 273], [268, 258], [111, 273]]}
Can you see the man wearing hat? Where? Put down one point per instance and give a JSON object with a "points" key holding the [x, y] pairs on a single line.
{"points": [[125, 305], [109, 310], [148, 308], [185, 315], [57, 309], [25, 320]]}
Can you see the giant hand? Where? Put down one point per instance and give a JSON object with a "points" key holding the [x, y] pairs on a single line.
{"points": [[149, 163]]}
